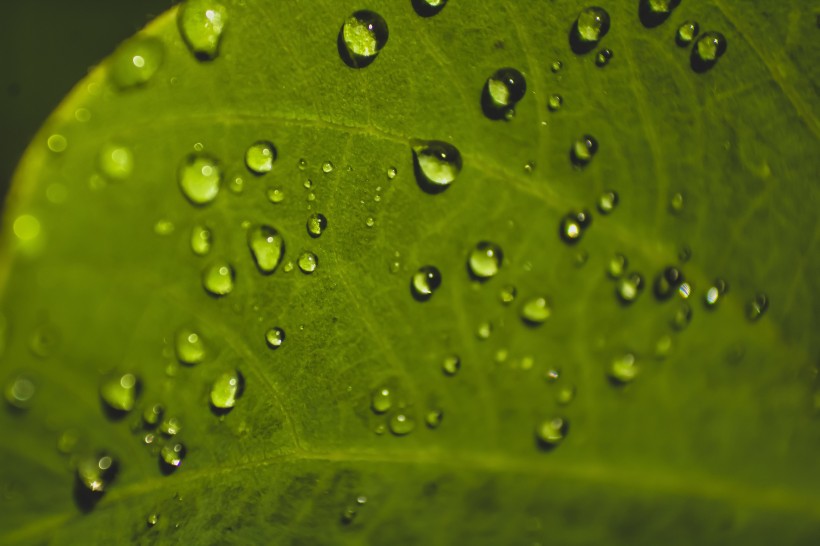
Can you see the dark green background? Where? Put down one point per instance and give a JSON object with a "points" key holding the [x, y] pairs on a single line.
{"points": [[47, 47]]}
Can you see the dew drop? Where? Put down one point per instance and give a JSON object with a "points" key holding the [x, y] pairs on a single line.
{"points": [[485, 260], [628, 288], [164, 227], [623, 369], [507, 294], [189, 347], [685, 290], [583, 150], [199, 178], [654, 12], [708, 49], [96, 472], [757, 307], [57, 143], [44, 340], [555, 102], [361, 38], [119, 393], [226, 390], [267, 247], [603, 57], [275, 337], [201, 239], [551, 432], [401, 424], [170, 426], [19, 392], [591, 25], [381, 400], [667, 282], [536, 311], [218, 278], [116, 162], [566, 395], [82, 115], [687, 32], [369, 221], [681, 317], [484, 330], [676, 203], [316, 224], [451, 365], [428, 8], [308, 262], [136, 61], [171, 456], [327, 167], [349, 515], [392, 172], [607, 202], [259, 157], [201, 24], [152, 519], [556, 67], [425, 282], [552, 375], [502, 91], [152, 415], [573, 225], [433, 418], [715, 293], [437, 164]]}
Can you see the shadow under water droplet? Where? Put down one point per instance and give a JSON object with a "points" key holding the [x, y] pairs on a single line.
{"points": [[84, 498]]}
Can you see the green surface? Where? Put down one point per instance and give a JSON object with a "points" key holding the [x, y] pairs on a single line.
{"points": [[709, 436]]}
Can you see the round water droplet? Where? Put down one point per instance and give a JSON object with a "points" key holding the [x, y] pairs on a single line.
{"points": [[428, 8], [259, 157], [654, 12], [623, 369], [152, 415], [218, 278], [275, 195], [687, 32], [96, 472], [199, 178], [573, 225], [189, 347], [555, 102], [536, 311], [607, 202], [327, 167], [681, 317], [715, 293], [552, 375], [136, 61], [551, 432], [152, 519], [401, 424], [119, 393], [115, 161], [201, 24], [57, 143], [603, 57], [19, 392], [308, 262], [583, 150], [708, 49], [26, 227], [502, 91], [433, 418], [628, 288], [757, 307], [171, 455], [667, 282], [437, 164], [676, 203], [316, 224], [275, 337], [556, 66], [484, 330], [485, 260], [685, 290], [425, 282], [507, 294], [392, 172], [170, 426], [267, 247], [361, 38], [381, 400], [226, 390], [451, 365], [591, 25], [349, 515], [201, 238]]}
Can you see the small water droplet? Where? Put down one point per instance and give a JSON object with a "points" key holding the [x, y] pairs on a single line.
{"points": [[484, 330], [628, 288], [687, 32], [171, 456], [566, 395], [170, 426], [136, 61], [708, 49], [591, 25], [623, 369], [201, 24], [267, 247], [392, 172], [218, 278], [573, 225], [715, 293], [401, 423], [349, 515], [201, 239], [275, 195], [556, 66], [681, 317], [437, 164], [327, 167], [485, 260], [451, 365], [676, 203], [189, 347], [507, 294], [583, 150], [369, 221], [115, 161], [502, 91], [663, 347], [199, 178], [119, 392], [433, 418], [227, 389], [152, 519], [275, 337], [152, 415], [551, 432], [83, 115], [428, 8], [536, 311], [607, 202], [259, 157], [555, 102], [308, 262], [667, 282], [425, 282], [19, 392], [361, 38], [164, 226], [552, 375], [381, 400], [316, 224], [57, 143], [654, 12], [302, 164], [603, 57], [96, 472], [757, 306]]}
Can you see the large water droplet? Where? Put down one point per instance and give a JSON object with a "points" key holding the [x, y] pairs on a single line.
{"points": [[451, 365], [19, 392], [189, 347], [267, 247], [707, 50], [136, 61], [96, 472], [381, 400], [667, 282], [437, 164], [116, 162], [715, 293], [361, 38], [654, 12], [573, 225], [275, 337], [536, 311], [226, 390], [501, 93], [308, 262], [591, 25], [686, 33], [201, 238], [425, 282], [628, 288], [171, 456], [623, 369], [401, 423], [316, 224], [485, 260], [551, 432], [583, 150], [428, 8], [119, 393], [218, 278], [757, 307], [201, 24], [199, 178], [259, 157]]}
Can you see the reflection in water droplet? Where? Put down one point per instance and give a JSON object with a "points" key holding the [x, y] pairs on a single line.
{"points": [[757, 307], [227, 389], [189, 347], [502, 91], [267, 247], [201, 24], [485, 260], [603, 57], [275, 337], [201, 238], [218, 278], [583, 150], [573, 225], [451, 365], [425, 282], [116, 162], [708, 49], [437, 164], [591, 25], [136, 61], [536, 311], [259, 157], [401, 423], [308, 262], [687, 32], [381, 400], [555, 102], [361, 38], [607, 202], [119, 392], [628, 288], [433, 418], [19, 392], [96, 472], [172, 455], [316, 224], [551, 432], [667, 282], [623, 369], [715, 293], [199, 178]]}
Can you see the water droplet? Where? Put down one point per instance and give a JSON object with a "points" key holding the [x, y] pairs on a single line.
{"points": [[199, 178], [485, 260], [170, 426], [507, 294], [623, 369], [361, 38], [502, 91], [676, 203], [556, 66], [552, 375], [316, 224], [401, 424], [163, 227], [708, 49], [370, 222], [591, 25], [96, 472], [607, 202], [583, 150], [715, 293], [433, 418], [119, 392], [152, 415], [757, 306], [226, 390], [551, 432], [275, 337], [687, 32], [573, 225], [115, 161], [44, 340], [437, 164], [19, 392], [392, 172], [57, 143], [425, 282], [685, 290], [136, 61], [267, 247], [201, 24], [555, 102], [152, 519], [451, 365], [566, 395], [654, 12], [628, 288], [381, 400], [681, 317], [327, 167], [536, 311], [663, 347], [82, 115], [667, 282], [189, 347], [201, 239], [603, 57], [171, 456], [428, 8], [308, 262], [259, 157], [218, 278], [484, 330]]}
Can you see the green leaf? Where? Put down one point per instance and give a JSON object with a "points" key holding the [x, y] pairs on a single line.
{"points": [[124, 286]]}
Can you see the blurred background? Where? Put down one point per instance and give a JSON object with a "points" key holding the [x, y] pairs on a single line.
{"points": [[47, 47]]}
